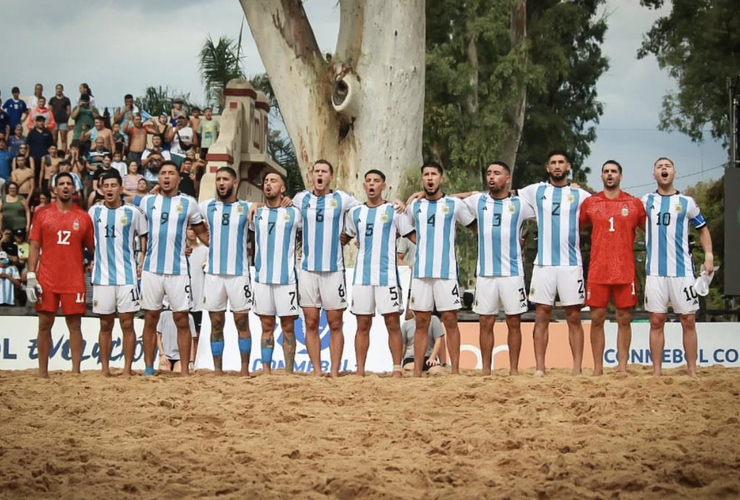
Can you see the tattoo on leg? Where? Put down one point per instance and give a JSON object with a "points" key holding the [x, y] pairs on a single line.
{"points": [[289, 352], [242, 323], [268, 342]]}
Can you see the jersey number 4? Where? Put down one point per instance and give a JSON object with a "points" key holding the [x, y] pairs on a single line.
{"points": [[63, 237]]}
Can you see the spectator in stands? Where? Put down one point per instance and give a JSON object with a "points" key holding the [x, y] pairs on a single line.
{"points": [[182, 139], [23, 177], [49, 167], [435, 345], [41, 109], [120, 141], [4, 124], [38, 93], [24, 248], [23, 151], [39, 140], [118, 164], [16, 108], [6, 161], [131, 180], [9, 280], [85, 91], [14, 211], [195, 121], [162, 126], [73, 157], [61, 108], [142, 189], [176, 111], [44, 199], [100, 132], [16, 140], [97, 154], [7, 245], [84, 116], [152, 159], [137, 135], [126, 112], [208, 131], [188, 184]]}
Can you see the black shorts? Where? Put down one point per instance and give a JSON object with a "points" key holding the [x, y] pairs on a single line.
{"points": [[424, 368], [197, 320]]}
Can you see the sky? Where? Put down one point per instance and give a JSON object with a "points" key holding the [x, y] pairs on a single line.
{"points": [[123, 47]]}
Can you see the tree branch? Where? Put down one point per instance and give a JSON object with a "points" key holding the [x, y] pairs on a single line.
{"points": [[351, 29]]}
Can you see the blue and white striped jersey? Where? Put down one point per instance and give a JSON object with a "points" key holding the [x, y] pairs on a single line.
{"points": [[323, 221], [168, 222], [275, 233], [376, 229], [667, 233], [7, 289], [434, 222], [557, 210], [116, 233], [499, 229], [228, 225]]}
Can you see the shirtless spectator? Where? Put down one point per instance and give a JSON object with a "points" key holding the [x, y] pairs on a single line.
{"points": [[137, 134], [23, 176], [23, 151], [49, 167], [4, 124], [162, 127], [61, 108], [195, 121], [152, 159], [41, 110]]}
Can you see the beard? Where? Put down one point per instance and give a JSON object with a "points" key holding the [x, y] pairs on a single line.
{"points": [[226, 195], [558, 177], [431, 192]]}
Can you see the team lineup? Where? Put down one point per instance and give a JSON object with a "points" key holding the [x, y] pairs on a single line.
{"points": [[141, 262]]}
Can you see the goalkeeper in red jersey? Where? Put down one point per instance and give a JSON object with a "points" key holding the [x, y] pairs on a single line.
{"points": [[614, 215]]}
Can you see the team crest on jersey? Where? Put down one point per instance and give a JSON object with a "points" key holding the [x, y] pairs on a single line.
{"points": [[239, 209], [445, 209], [625, 211], [512, 209], [679, 208], [384, 218], [333, 203], [179, 208], [286, 217], [571, 198], [76, 225], [124, 221]]}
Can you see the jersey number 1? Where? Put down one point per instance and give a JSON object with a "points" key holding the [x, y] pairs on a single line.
{"points": [[611, 224]]}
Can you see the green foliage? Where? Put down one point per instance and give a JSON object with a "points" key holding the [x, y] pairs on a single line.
{"points": [[562, 108], [219, 63], [699, 43], [159, 100]]}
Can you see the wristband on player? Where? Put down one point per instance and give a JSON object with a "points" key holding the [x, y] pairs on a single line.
{"points": [[31, 275]]}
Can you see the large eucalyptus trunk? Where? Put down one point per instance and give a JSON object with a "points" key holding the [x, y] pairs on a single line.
{"points": [[518, 108], [360, 108]]}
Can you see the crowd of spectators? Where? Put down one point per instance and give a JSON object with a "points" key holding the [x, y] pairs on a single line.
{"points": [[36, 144]]}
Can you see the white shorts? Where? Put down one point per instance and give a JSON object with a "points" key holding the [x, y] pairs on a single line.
{"points": [[679, 292], [508, 291], [323, 290], [218, 289], [175, 286], [426, 293], [565, 281], [366, 298], [111, 299], [270, 300]]}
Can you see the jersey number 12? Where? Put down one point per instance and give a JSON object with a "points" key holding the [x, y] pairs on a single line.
{"points": [[63, 237]]}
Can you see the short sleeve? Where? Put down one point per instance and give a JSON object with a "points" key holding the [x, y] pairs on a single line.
{"points": [[528, 194], [462, 213], [349, 224], [298, 199], [436, 326], [141, 226], [471, 202], [203, 207], [692, 210], [194, 215], [403, 224], [583, 195], [348, 201], [644, 200], [527, 210]]}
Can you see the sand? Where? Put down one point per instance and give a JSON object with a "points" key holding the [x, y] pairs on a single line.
{"points": [[351, 438]]}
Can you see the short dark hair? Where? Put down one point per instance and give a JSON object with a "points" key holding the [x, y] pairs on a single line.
{"points": [[169, 163], [63, 174], [325, 162], [208, 109], [15, 90], [433, 164], [376, 172], [128, 96], [613, 162], [194, 108], [110, 174], [663, 158], [558, 152], [229, 170], [501, 164]]}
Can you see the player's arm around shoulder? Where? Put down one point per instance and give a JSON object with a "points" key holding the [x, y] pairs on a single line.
{"points": [[465, 215]]}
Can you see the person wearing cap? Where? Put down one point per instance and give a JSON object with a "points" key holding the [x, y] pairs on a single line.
{"points": [[10, 279], [24, 248], [16, 108], [39, 141], [669, 266], [182, 138]]}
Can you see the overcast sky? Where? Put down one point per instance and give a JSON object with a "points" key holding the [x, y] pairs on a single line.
{"points": [[123, 47]]}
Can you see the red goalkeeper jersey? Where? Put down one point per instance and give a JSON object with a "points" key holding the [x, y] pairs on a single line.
{"points": [[613, 237], [62, 237]]}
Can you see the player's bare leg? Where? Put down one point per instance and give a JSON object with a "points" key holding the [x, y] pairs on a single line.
{"points": [[218, 319], [151, 318], [74, 324], [690, 342], [421, 340], [287, 323], [624, 338], [395, 342], [657, 341], [486, 341], [598, 316], [313, 342], [126, 320], [543, 313], [575, 336], [105, 341], [362, 341], [43, 341], [336, 339], [452, 334], [514, 339], [184, 339], [241, 320], [267, 342]]}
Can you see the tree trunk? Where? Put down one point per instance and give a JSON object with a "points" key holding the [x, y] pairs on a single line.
{"points": [[362, 108], [518, 108]]}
